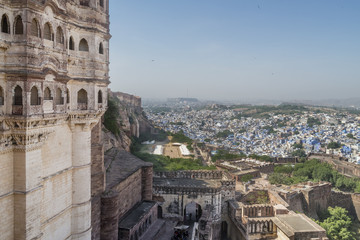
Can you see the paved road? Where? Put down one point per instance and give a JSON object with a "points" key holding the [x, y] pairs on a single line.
{"points": [[169, 231]]}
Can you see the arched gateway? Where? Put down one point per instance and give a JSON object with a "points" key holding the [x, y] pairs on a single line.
{"points": [[193, 195]]}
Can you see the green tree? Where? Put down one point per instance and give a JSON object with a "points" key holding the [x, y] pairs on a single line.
{"points": [[298, 146], [299, 153], [350, 135], [223, 134], [246, 178], [334, 145], [313, 121], [338, 224]]}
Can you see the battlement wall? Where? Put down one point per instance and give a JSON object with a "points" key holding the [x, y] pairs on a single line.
{"points": [[197, 174]]}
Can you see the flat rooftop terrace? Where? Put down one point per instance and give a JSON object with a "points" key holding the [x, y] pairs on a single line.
{"points": [[292, 223], [119, 165], [136, 214], [186, 182]]}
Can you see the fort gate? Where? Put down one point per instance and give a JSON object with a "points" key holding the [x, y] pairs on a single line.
{"points": [[176, 190]]}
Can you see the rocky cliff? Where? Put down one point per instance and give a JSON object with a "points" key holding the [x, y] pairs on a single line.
{"points": [[123, 120]]}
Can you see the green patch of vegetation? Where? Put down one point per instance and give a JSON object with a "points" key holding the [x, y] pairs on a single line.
{"points": [[160, 110], [298, 146], [298, 153], [179, 137], [164, 163], [265, 111], [334, 145], [313, 170], [257, 197], [270, 129], [111, 117], [160, 136], [313, 121], [223, 134], [246, 178], [338, 224], [225, 155], [242, 130], [350, 135]]}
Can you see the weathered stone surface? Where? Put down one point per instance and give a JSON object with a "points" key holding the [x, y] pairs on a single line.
{"points": [[51, 96]]}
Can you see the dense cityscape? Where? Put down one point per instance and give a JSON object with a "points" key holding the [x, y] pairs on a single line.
{"points": [[283, 134]]}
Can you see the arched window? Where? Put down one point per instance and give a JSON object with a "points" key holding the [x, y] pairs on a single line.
{"points": [[59, 100], [100, 96], [34, 98], [71, 44], [47, 94], [83, 45], [48, 32], [1, 96], [35, 30], [67, 96], [5, 24], [19, 27], [101, 3], [101, 48], [18, 96], [82, 97], [59, 35]]}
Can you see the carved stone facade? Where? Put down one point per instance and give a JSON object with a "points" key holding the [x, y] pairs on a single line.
{"points": [[53, 91]]}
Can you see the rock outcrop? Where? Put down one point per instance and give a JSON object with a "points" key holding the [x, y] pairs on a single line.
{"points": [[128, 121]]}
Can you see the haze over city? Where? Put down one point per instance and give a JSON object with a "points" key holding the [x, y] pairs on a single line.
{"points": [[236, 50]]}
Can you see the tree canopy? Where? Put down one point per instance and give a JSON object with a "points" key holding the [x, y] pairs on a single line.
{"points": [[337, 224]]}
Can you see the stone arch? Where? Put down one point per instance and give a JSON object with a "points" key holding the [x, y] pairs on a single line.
{"points": [[71, 43], [5, 24], [2, 97], [101, 48], [18, 25], [100, 97], [59, 100], [59, 35], [48, 33], [18, 96], [35, 29], [82, 96], [47, 94], [34, 96], [83, 45], [192, 211]]}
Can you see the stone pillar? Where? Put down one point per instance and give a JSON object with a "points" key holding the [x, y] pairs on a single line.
{"points": [[81, 196], [109, 216], [28, 193], [146, 182], [97, 179]]}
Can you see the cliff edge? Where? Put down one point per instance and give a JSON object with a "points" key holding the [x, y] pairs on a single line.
{"points": [[123, 120]]}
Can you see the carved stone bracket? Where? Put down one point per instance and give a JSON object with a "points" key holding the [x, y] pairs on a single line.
{"points": [[25, 134], [86, 119]]}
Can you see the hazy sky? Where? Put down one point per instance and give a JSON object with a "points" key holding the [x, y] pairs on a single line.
{"points": [[236, 49]]}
